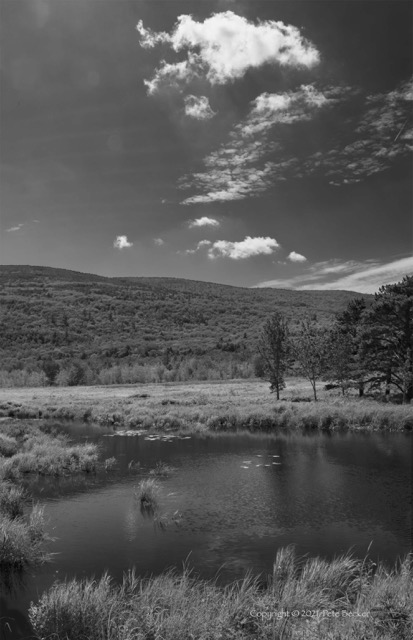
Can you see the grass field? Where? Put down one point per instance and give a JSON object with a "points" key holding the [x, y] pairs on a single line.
{"points": [[207, 406]]}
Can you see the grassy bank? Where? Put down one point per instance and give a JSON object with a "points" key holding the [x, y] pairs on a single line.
{"points": [[225, 406], [27, 447], [344, 598]]}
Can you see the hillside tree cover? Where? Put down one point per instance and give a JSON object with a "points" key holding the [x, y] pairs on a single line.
{"points": [[60, 327]]}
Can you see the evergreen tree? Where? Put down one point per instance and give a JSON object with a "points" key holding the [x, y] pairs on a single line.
{"points": [[387, 338], [347, 330]]}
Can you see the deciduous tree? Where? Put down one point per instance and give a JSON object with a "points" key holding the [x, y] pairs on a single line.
{"points": [[309, 349], [274, 347]]}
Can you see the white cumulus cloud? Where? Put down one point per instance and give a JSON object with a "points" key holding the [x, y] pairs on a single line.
{"points": [[225, 45], [296, 257], [159, 242], [203, 222], [198, 107], [243, 249], [122, 242]]}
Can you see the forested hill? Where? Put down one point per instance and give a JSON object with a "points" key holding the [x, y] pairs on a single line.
{"points": [[48, 313]]}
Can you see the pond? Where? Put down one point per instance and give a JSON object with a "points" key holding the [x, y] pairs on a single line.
{"points": [[230, 502]]}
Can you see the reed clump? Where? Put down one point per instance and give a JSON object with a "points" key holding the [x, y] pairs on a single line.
{"points": [[161, 470], [11, 499], [22, 539], [353, 600], [147, 492]]}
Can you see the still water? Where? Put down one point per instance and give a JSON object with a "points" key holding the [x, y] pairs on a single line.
{"points": [[236, 500]]}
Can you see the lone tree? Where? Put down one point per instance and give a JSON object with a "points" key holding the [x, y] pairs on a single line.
{"points": [[309, 349], [274, 349]]}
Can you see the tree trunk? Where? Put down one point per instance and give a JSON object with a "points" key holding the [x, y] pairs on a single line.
{"points": [[313, 384], [388, 381], [408, 393]]}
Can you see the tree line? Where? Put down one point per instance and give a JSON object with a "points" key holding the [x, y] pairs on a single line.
{"points": [[368, 347]]}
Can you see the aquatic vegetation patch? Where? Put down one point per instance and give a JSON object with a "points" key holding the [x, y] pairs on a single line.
{"points": [[161, 470], [110, 463], [364, 602], [11, 499], [147, 492], [8, 445], [22, 539]]}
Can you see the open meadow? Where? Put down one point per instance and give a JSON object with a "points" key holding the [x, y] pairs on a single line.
{"points": [[207, 406]]}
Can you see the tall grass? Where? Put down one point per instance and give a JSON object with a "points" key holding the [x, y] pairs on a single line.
{"points": [[11, 499], [22, 540], [183, 607]]}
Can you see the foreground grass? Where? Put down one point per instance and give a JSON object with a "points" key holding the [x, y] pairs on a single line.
{"points": [[341, 599], [26, 448], [202, 407]]}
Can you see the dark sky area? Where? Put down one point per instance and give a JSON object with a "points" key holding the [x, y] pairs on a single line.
{"points": [[243, 142]]}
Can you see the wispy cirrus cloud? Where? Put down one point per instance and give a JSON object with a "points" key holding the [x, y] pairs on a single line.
{"points": [[224, 46], [255, 158], [351, 275], [198, 107], [237, 250], [203, 222], [15, 228], [383, 133], [122, 242], [240, 168]]}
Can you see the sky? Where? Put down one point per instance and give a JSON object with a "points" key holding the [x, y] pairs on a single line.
{"points": [[256, 144]]}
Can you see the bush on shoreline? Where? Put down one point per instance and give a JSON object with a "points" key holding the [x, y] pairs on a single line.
{"points": [[183, 607]]}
